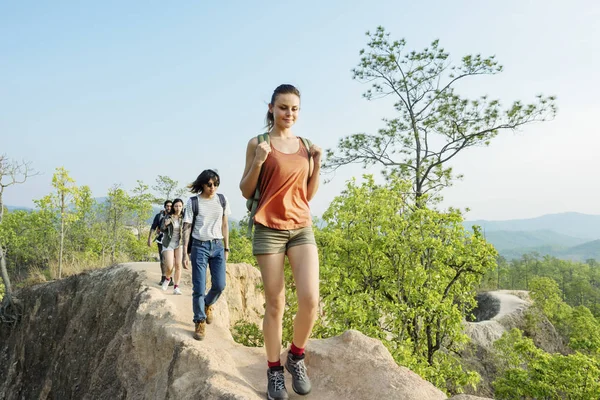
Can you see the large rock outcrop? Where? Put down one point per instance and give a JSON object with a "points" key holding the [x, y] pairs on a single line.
{"points": [[113, 333], [498, 312]]}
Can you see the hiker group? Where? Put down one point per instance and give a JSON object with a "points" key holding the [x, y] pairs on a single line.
{"points": [[281, 175]]}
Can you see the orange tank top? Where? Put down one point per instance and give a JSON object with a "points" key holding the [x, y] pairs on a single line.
{"points": [[283, 184]]}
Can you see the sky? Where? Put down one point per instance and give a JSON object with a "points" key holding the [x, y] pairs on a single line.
{"points": [[117, 92]]}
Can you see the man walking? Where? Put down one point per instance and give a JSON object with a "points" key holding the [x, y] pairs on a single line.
{"points": [[158, 239]]}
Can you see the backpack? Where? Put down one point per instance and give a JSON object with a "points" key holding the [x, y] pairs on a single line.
{"points": [[195, 212], [252, 203]]}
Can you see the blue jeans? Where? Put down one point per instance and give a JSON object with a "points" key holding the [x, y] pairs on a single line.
{"points": [[209, 252]]}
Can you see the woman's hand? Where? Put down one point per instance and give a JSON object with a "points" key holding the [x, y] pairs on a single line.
{"points": [[316, 152], [262, 152]]}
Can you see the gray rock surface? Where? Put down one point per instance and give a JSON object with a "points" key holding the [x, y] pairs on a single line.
{"points": [[113, 333]]}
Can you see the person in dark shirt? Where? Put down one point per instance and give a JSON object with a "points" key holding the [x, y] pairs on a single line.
{"points": [[155, 229]]}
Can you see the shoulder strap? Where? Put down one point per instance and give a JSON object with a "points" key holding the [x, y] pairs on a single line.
{"points": [[222, 201], [307, 144], [195, 206], [264, 137], [252, 204]]}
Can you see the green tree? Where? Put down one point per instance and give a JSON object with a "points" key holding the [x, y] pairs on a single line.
{"points": [[404, 275], [118, 211], [585, 332], [527, 372], [63, 197], [166, 188], [141, 203], [433, 123], [240, 244]]}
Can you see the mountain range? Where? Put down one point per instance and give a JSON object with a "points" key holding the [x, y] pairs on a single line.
{"points": [[570, 235]]}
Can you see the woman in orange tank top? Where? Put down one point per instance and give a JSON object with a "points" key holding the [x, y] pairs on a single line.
{"points": [[287, 174]]}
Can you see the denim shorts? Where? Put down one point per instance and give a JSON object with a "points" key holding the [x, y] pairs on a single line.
{"points": [[273, 241]]}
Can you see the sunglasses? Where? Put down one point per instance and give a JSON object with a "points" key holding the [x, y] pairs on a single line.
{"points": [[210, 184]]}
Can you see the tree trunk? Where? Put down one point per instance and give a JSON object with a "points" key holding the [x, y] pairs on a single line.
{"points": [[5, 278], [62, 236]]}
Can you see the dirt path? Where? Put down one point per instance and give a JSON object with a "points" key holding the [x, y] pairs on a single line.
{"points": [[250, 363]]}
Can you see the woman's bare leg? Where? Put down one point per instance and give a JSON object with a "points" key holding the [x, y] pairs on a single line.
{"points": [[178, 255], [304, 260], [272, 271]]}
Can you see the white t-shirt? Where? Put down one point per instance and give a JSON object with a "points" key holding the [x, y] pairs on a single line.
{"points": [[209, 221]]}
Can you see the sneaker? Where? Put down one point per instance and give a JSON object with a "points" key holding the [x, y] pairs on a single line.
{"points": [[177, 291], [300, 381], [276, 384], [165, 284], [171, 282], [208, 310], [199, 330], [161, 281]]}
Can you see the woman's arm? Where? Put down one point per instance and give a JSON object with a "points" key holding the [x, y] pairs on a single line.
{"points": [[314, 171], [256, 154], [165, 222]]}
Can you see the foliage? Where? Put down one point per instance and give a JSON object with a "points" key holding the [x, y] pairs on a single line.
{"points": [[248, 334], [95, 234], [240, 245], [141, 206], [434, 123], [578, 283], [166, 188], [403, 274], [528, 372]]}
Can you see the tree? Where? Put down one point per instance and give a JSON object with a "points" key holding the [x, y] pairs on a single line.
{"points": [[63, 197], [118, 209], [165, 187], [527, 372], [434, 122], [11, 173], [403, 274], [141, 204]]}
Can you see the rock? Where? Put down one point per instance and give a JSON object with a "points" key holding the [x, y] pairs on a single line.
{"points": [[113, 333], [355, 366], [508, 311]]}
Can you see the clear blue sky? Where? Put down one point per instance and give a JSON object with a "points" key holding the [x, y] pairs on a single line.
{"points": [[121, 91]]}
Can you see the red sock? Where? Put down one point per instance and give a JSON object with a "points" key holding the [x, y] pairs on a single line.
{"points": [[274, 364], [297, 351], [175, 287]]}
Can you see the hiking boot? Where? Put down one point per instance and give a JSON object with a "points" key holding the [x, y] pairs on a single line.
{"points": [[177, 291], [276, 384], [208, 310], [199, 330], [161, 281], [300, 381], [165, 284]]}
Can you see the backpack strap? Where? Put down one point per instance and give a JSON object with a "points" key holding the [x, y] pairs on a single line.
{"points": [[222, 201], [252, 204], [195, 214], [307, 144]]}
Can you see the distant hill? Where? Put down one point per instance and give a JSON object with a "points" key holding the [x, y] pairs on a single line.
{"points": [[582, 252], [572, 224], [503, 240], [16, 208], [573, 236]]}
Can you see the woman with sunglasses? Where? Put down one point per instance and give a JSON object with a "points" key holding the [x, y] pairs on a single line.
{"points": [[209, 235], [172, 251], [287, 175]]}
